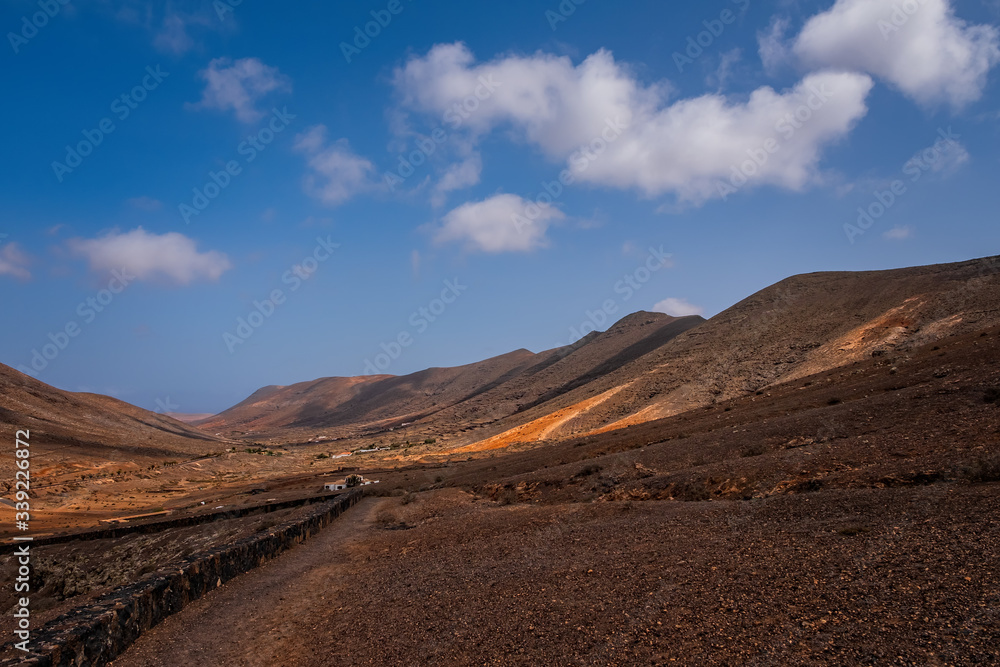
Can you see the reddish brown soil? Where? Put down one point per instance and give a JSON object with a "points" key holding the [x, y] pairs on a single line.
{"points": [[848, 518], [901, 576]]}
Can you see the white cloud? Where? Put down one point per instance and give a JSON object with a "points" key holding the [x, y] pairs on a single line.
{"points": [[13, 261], [677, 307], [724, 72], [239, 86], [171, 31], [771, 45], [171, 258], [502, 223], [929, 54], [173, 36], [337, 173], [636, 139], [459, 175], [555, 104], [898, 233], [944, 158]]}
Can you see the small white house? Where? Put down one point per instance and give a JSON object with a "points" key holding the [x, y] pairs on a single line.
{"points": [[341, 484]]}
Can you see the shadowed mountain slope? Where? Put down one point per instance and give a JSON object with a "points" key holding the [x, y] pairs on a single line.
{"points": [[802, 325], [446, 400], [90, 426], [646, 366]]}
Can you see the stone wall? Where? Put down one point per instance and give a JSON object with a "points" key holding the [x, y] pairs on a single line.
{"points": [[154, 526], [93, 635]]}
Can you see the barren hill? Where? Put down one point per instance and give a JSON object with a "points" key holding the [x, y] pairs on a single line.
{"points": [[445, 400], [645, 367], [89, 428], [366, 400], [802, 325]]}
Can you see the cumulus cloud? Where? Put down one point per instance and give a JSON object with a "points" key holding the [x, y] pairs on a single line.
{"points": [[919, 46], [170, 258], [459, 175], [612, 130], [677, 307], [502, 223], [13, 261], [238, 86], [336, 172]]}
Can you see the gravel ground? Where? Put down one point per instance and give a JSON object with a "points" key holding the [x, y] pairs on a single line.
{"points": [[870, 576]]}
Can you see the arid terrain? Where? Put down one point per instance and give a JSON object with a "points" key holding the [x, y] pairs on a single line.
{"points": [[810, 477]]}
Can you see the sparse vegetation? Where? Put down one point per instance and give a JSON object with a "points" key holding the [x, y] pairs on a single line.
{"points": [[508, 496], [387, 520]]}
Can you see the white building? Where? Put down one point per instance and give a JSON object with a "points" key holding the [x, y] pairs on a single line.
{"points": [[341, 484]]}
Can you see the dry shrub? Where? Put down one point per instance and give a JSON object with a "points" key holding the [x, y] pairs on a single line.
{"points": [[385, 519], [508, 496]]}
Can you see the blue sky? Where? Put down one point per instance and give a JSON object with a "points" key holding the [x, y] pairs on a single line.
{"points": [[462, 181]]}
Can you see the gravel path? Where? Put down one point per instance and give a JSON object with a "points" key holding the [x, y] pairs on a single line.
{"points": [[259, 618]]}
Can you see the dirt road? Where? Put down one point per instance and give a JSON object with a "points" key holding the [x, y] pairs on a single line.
{"points": [[258, 618]]}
